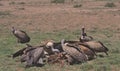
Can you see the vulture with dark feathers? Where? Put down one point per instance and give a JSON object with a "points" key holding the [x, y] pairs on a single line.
{"points": [[32, 55], [22, 51], [75, 55], [84, 37], [20, 35], [35, 57]]}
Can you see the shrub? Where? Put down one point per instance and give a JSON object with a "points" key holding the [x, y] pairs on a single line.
{"points": [[110, 5], [11, 3], [21, 8], [77, 6], [4, 13], [21, 3], [57, 1]]}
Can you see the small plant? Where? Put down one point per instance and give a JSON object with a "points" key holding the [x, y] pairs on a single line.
{"points": [[110, 5], [57, 1], [4, 13], [77, 6], [11, 3], [21, 3], [21, 8]]}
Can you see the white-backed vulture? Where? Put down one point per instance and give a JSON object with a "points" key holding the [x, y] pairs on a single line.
{"points": [[90, 53], [32, 55], [35, 57], [49, 48], [97, 46], [20, 35], [84, 37], [84, 47], [57, 45], [75, 54]]}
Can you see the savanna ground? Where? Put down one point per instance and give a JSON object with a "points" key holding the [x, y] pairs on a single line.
{"points": [[43, 20]]}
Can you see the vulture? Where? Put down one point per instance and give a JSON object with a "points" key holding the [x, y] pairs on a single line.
{"points": [[32, 55], [89, 52], [35, 57], [75, 55], [84, 48], [57, 45], [54, 45], [49, 48], [97, 46], [53, 53], [21, 36], [84, 37]]}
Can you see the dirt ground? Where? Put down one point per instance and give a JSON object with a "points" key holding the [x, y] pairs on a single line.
{"points": [[44, 16]]}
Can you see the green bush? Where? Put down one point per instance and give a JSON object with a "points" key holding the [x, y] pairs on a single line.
{"points": [[4, 13], [11, 3], [77, 6], [110, 5], [21, 3], [57, 1]]}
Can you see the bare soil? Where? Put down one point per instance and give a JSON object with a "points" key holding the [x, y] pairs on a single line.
{"points": [[44, 16]]}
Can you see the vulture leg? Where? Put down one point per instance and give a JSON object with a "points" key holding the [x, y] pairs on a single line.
{"points": [[18, 40]]}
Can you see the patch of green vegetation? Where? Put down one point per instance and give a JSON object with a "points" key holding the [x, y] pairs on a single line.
{"points": [[77, 5], [21, 3], [8, 46], [4, 13], [106, 0], [110, 5], [58, 1], [102, 68], [86, 67], [21, 8], [12, 3]]}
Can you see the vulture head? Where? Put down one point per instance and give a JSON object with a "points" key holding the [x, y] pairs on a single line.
{"points": [[49, 48]]}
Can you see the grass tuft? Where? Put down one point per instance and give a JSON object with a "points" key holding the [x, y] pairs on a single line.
{"points": [[58, 1], [110, 5], [77, 6]]}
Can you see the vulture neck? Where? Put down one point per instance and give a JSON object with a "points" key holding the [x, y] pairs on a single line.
{"points": [[62, 42], [83, 31]]}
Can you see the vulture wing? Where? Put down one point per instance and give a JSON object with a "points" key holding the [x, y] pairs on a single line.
{"points": [[18, 53], [74, 52]]}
